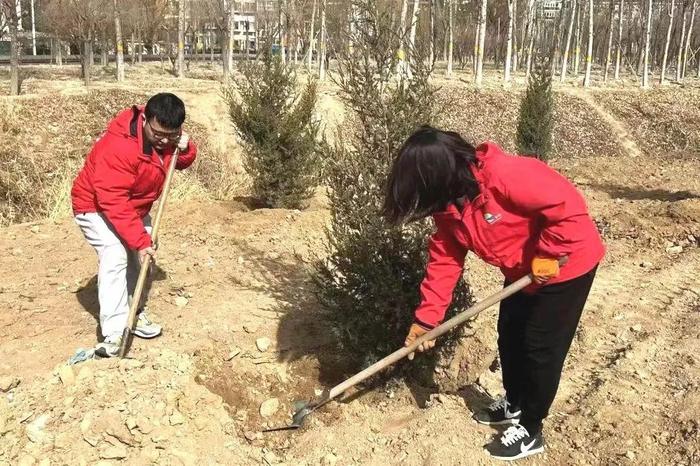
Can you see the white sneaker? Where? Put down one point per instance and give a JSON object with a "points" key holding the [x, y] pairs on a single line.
{"points": [[109, 348], [145, 328]]}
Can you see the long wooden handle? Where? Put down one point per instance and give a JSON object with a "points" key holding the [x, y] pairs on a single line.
{"points": [[431, 335], [143, 273]]}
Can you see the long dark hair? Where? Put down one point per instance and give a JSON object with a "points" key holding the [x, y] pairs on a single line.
{"points": [[430, 172]]}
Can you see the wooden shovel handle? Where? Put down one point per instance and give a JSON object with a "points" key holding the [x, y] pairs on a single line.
{"points": [[143, 273]]}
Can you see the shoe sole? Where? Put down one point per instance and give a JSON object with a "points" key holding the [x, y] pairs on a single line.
{"points": [[147, 336], [513, 421], [534, 451], [103, 353]]}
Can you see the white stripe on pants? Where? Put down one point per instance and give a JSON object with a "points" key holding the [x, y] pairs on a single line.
{"points": [[118, 270]]}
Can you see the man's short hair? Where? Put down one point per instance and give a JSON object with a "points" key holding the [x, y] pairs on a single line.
{"points": [[168, 110]]}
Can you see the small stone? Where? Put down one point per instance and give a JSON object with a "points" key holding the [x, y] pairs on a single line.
{"points": [[145, 426], [85, 424], [114, 453], [637, 328], [269, 407], [181, 301], [176, 418], [67, 376], [442, 398], [45, 462], [130, 423], [646, 265], [235, 352], [34, 229], [8, 382], [250, 328], [250, 435], [263, 344], [329, 460], [27, 460], [674, 249], [35, 430], [630, 454], [201, 423]]}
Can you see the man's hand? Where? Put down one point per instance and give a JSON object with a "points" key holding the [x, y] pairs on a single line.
{"points": [[149, 251], [544, 269], [415, 332], [184, 142]]}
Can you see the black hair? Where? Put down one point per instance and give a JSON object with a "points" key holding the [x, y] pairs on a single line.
{"points": [[167, 109], [431, 171]]}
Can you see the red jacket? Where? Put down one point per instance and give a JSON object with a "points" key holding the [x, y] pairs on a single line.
{"points": [[123, 176], [524, 209]]}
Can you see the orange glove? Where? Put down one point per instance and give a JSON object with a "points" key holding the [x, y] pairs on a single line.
{"points": [[544, 269], [415, 332]]}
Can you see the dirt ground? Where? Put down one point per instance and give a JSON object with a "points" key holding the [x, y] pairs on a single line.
{"points": [[229, 277]]}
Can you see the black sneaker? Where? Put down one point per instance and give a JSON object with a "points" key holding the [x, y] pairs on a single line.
{"points": [[498, 413], [515, 443]]}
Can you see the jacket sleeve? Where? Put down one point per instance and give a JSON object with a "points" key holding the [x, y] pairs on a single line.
{"points": [[539, 191], [113, 179], [445, 267], [186, 159]]}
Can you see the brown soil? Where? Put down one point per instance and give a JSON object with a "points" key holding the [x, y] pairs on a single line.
{"points": [[630, 392]]}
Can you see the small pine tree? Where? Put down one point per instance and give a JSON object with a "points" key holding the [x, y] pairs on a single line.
{"points": [[279, 132], [369, 283], [534, 134]]}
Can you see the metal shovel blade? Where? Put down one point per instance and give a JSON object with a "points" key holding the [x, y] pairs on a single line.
{"points": [[302, 409]]}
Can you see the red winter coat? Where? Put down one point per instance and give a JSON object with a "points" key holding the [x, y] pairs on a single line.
{"points": [[123, 176], [524, 209]]}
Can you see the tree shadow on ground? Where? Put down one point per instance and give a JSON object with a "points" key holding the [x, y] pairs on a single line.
{"points": [[305, 332], [638, 193], [88, 298]]}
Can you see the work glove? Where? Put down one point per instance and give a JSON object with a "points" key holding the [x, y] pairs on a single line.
{"points": [[184, 142], [544, 269], [416, 331]]}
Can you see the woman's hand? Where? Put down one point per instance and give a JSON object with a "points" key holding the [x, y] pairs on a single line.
{"points": [[544, 269], [413, 334]]}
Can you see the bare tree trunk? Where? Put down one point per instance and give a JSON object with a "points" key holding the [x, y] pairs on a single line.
{"points": [[33, 28], [310, 57], [104, 60], [671, 12], [531, 43], [569, 33], [231, 15], [688, 37], [496, 56], [589, 52], [59, 53], [139, 41], [509, 41], [679, 61], [482, 42], [119, 42], [619, 39], [132, 52], [181, 38], [15, 50], [577, 55], [86, 61], [281, 33], [414, 25], [611, 27], [450, 35], [322, 48], [647, 33], [514, 60], [431, 44], [401, 65]]}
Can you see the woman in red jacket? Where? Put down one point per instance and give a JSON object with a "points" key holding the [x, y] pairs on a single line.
{"points": [[123, 175], [511, 212]]}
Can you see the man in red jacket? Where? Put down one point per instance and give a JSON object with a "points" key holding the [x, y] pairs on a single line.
{"points": [[517, 214], [112, 196]]}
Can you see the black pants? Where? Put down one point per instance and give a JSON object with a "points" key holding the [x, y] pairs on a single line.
{"points": [[534, 335]]}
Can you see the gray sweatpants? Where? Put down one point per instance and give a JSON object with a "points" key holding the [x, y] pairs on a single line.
{"points": [[118, 270]]}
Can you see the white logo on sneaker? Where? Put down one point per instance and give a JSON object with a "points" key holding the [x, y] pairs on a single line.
{"points": [[525, 448]]}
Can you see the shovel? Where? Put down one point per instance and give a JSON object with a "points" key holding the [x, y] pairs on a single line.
{"points": [[303, 409], [128, 334]]}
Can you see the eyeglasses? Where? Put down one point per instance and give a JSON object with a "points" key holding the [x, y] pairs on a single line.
{"points": [[172, 137]]}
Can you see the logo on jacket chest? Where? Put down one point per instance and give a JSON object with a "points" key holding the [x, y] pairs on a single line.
{"points": [[491, 218]]}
